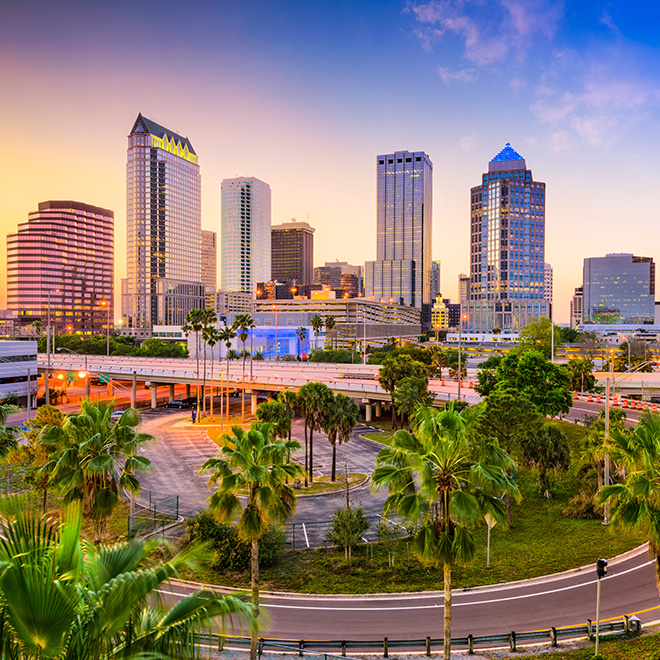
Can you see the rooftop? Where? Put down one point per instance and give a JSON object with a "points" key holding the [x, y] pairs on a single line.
{"points": [[144, 125], [508, 153]]}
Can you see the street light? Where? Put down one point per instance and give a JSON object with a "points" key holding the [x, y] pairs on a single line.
{"points": [[460, 339], [106, 304], [68, 350], [48, 334]]}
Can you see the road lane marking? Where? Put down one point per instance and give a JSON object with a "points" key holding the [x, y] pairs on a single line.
{"points": [[434, 605]]}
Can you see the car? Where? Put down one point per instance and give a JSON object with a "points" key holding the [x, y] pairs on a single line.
{"points": [[190, 401], [175, 404], [116, 415]]}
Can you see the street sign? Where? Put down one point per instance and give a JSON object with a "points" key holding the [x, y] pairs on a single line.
{"points": [[104, 379]]}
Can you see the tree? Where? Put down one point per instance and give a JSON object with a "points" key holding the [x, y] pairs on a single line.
{"points": [[396, 368], [488, 375], [409, 394], [317, 323], [208, 319], [314, 401], [439, 360], [348, 528], [547, 451], [254, 464], [636, 502], [581, 375], [154, 347], [290, 399], [78, 602], [95, 458], [211, 336], [569, 336], [638, 354], [330, 323], [243, 323], [275, 414], [537, 336], [194, 323], [438, 478], [301, 333], [343, 415]]}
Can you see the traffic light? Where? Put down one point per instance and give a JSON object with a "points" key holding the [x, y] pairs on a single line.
{"points": [[601, 570]]}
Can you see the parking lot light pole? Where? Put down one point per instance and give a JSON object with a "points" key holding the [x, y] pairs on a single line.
{"points": [[48, 347]]}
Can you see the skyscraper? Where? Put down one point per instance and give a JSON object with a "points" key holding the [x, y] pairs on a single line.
{"points": [[245, 242], [463, 287], [404, 198], [209, 261], [577, 308], [63, 258], [292, 252], [619, 288], [163, 219], [548, 285], [507, 246], [435, 280]]}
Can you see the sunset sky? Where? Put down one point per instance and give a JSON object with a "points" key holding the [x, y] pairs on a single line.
{"points": [[304, 95]]}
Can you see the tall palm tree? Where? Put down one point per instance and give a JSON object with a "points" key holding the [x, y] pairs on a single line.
{"points": [[317, 323], [330, 323], [314, 401], [636, 501], [194, 323], [289, 399], [211, 336], [342, 417], [208, 319], [276, 414], [253, 463], [79, 602], [226, 335], [243, 323], [437, 477], [301, 333], [96, 459]]}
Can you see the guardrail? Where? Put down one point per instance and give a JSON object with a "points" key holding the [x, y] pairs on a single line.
{"points": [[627, 624]]}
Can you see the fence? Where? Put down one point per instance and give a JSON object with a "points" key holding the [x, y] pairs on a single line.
{"points": [[627, 624], [153, 512]]}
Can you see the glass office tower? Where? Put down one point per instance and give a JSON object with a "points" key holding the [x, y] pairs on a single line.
{"points": [[404, 199], [507, 247], [292, 252], [163, 223], [245, 243], [619, 288]]}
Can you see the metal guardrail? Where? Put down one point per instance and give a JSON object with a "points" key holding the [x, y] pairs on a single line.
{"points": [[153, 512], [427, 645]]}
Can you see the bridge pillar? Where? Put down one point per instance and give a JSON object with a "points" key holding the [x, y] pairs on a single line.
{"points": [[87, 387], [171, 391], [187, 390], [253, 402], [154, 395], [378, 409], [367, 410], [134, 391]]}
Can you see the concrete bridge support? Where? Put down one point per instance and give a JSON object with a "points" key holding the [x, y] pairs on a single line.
{"points": [[367, 410], [378, 410], [187, 390], [172, 392], [154, 395], [253, 402], [134, 391]]}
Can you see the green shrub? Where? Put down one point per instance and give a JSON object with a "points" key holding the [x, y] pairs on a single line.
{"points": [[231, 552], [348, 526]]}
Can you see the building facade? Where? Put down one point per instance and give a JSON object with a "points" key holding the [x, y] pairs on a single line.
{"points": [[404, 194], [577, 308], [435, 280], [463, 287], [548, 285], [507, 246], [619, 289], [209, 261], [292, 252], [62, 260], [245, 241], [163, 228], [340, 276]]}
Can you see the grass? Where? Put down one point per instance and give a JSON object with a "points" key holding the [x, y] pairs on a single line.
{"points": [[541, 541], [323, 484]]}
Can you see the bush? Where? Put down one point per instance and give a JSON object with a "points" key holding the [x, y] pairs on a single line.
{"points": [[584, 506], [334, 355], [348, 526], [231, 552]]}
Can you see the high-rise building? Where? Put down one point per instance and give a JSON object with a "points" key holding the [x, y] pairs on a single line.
{"points": [[435, 280], [548, 285], [463, 287], [164, 222], [245, 241], [209, 261], [577, 308], [62, 258], [292, 252], [619, 288], [507, 246], [404, 199], [340, 276]]}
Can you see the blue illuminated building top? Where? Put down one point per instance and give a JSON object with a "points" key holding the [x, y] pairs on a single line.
{"points": [[508, 153]]}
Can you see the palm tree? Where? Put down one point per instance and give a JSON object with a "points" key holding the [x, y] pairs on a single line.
{"points": [[211, 336], [546, 450], [208, 319], [276, 414], [226, 335], [290, 400], [317, 323], [330, 324], [435, 477], [342, 417], [253, 463], [194, 323], [243, 323], [314, 401], [96, 458], [80, 602], [301, 333], [636, 501]]}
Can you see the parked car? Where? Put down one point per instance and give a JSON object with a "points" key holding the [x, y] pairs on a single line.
{"points": [[116, 415], [175, 404]]}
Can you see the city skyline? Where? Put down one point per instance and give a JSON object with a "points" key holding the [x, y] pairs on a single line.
{"points": [[574, 86]]}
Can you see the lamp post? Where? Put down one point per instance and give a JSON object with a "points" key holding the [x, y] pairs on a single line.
{"points": [[460, 341], [68, 350], [106, 305], [48, 334], [275, 308]]}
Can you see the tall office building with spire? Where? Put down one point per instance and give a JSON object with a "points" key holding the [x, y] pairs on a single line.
{"points": [[404, 198], [164, 222], [507, 246]]}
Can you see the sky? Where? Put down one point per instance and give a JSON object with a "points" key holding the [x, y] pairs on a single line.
{"points": [[305, 95]]}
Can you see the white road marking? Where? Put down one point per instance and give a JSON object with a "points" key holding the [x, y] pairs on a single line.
{"points": [[436, 605]]}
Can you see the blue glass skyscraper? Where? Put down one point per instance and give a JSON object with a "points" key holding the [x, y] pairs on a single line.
{"points": [[507, 246]]}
